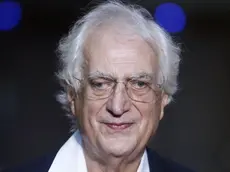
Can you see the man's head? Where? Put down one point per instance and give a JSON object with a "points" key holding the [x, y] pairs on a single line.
{"points": [[119, 72]]}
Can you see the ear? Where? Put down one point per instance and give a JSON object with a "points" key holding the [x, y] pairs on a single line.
{"points": [[164, 102], [71, 96]]}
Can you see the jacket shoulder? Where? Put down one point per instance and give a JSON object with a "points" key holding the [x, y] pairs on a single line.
{"points": [[160, 164]]}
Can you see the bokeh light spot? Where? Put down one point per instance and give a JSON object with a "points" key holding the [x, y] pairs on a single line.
{"points": [[10, 15], [171, 17]]}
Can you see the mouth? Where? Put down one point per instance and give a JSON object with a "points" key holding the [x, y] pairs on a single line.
{"points": [[118, 126]]}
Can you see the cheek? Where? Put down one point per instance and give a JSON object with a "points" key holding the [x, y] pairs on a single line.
{"points": [[150, 118], [150, 111], [91, 112], [88, 113]]}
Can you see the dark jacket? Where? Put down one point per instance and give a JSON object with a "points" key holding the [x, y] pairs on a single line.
{"points": [[156, 164]]}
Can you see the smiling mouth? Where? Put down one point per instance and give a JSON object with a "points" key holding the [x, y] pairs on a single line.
{"points": [[118, 126]]}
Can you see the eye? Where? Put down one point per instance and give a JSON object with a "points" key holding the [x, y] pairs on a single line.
{"points": [[137, 84], [97, 84], [100, 84]]}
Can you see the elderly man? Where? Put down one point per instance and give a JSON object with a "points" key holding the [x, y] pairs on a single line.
{"points": [[118, 71]]}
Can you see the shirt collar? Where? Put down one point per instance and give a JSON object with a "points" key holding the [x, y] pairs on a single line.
{"points": [[71, 157]]}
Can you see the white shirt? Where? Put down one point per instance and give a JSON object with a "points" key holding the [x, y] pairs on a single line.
{"points": [[70, 158]]}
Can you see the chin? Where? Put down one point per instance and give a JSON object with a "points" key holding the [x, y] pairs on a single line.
{"points": [[119, 146]]}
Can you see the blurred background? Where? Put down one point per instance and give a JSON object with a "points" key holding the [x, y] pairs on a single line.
{"points": [[196, 128]]}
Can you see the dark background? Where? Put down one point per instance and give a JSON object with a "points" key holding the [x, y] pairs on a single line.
{"points": [[196, 128]]}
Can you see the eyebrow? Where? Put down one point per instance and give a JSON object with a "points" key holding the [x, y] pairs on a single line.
{"points": [[141, 75], [98, 74]]}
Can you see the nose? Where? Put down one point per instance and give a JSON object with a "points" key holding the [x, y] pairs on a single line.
{"points": [[119, 103]]}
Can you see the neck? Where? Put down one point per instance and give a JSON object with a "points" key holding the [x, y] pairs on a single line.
{"points": [[111, 165], [99, 163]]}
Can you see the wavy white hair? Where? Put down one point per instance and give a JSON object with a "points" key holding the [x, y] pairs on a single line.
{"points": [[115, 13]]}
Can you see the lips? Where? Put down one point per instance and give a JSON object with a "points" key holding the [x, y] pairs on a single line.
{"points": [[118, 126]]}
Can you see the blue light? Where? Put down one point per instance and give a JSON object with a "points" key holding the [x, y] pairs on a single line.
{"points": [[171, 17], [10, 15]]}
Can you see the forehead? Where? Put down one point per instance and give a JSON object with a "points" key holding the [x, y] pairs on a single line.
{"points": [[119, 53]]}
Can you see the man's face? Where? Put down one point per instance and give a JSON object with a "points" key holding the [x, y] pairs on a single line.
{"points": [[117, 125]]}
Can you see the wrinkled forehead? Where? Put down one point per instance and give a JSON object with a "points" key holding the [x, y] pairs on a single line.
{"points": [[119, 53]]}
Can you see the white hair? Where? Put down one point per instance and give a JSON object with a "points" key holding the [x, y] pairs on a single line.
{"points": [[113, 12]]}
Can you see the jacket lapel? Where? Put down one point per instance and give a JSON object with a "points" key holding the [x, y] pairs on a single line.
{"points": [[156, 164]]}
